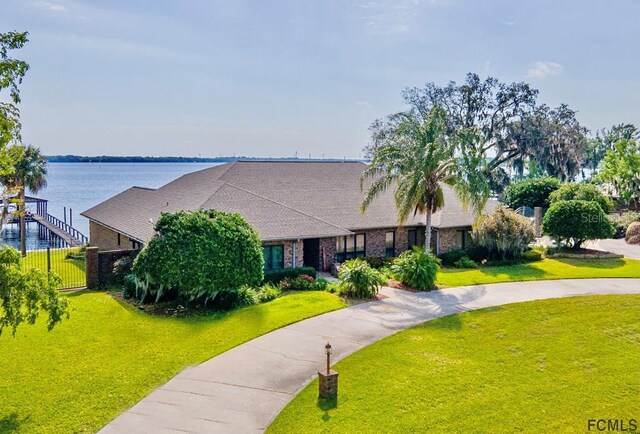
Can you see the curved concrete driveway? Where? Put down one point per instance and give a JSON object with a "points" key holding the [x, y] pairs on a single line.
{"points": [[242, 390]]}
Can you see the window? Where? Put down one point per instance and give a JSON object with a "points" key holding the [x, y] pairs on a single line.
{"points": [[273, 257], [461, 239], [352, 246], [413, 238], [118, 238], [390, 244]]}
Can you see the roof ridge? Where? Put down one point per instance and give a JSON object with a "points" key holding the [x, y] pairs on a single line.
{"points": [[286, 206]]}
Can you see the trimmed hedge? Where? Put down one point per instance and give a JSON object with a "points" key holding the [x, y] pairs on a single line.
{"points": [[573, 222], [531, 192], [588, 192], [278, 275]]}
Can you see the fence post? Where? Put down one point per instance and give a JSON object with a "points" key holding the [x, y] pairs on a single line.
{"points": [[91, 262], [48, 260]]}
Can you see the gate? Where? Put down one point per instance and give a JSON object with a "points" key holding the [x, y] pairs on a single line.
{"points": [[68, 263]]}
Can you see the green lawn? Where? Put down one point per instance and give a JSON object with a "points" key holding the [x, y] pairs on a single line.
{"points": [[72, 271], [108, 356], [543, 366], [541, 270]]}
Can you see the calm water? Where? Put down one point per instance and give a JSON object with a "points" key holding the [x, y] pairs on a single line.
{"points": [[79, 186]]}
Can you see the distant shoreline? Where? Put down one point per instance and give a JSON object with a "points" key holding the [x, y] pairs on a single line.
{"points": [[140, 159]]}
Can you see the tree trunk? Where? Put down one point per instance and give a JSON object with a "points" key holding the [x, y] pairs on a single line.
{"points": [[23, 223], [427, 230]]}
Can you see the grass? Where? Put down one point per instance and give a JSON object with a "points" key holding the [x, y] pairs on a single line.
{"points": [[541, 270], [72, 271], [108, 356], [542, 366]]}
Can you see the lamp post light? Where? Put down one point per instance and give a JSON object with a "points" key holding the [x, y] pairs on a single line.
{"points": [[328, 381], [328, 351]]}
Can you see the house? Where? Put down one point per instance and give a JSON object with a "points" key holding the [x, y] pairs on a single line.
{"points": [[306, 212]]}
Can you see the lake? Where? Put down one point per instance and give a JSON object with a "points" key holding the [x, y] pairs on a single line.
{"points": [[79, 186]]}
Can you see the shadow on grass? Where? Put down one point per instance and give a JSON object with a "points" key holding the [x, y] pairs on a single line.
{"points": [[522, 271], [11, 423], [593, 263], [325, 405]]}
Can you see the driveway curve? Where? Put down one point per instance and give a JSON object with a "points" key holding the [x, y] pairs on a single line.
{"points": [[242, 390]]}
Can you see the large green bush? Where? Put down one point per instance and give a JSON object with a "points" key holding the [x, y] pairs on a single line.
{"points": [[417, 269], [504, 233], [572, 222], [576, 191], [530, 192], [358, 279], [200, 255]]}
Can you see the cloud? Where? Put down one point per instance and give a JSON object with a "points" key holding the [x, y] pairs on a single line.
{"points": [[49, 6], [390, 17], [540, 70]]}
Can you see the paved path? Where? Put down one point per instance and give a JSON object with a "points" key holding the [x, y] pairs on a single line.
{"points": [[242, 390], [616, 246]]}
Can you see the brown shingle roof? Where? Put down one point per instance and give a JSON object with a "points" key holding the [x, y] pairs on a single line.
{"points": [[282, 200]]}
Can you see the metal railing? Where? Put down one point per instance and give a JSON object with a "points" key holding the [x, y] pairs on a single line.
{"points": [[67, 228]]}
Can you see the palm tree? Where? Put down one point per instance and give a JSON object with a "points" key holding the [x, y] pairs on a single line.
{"points": [[30, 172], [416, 154]]}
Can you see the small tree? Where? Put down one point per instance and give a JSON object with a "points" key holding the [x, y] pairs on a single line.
{"points": [[199, 254], [530, 192], [26, 293], [621, 171], [572, 222], [588, 192], [503, 233]]}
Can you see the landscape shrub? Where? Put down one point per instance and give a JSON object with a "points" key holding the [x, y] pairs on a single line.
{"points": [[417, 269], [633, 233], [623, 221], [465, 262], [378, 262], [448, 259], [572, 222], [267, 293], [530, 192], [303, 282], [121, 268], [358, 279], [278, 275], [243, 296], [531, 256], [201, 255], [333, 287], [581, 191], [320, 285], [504, 233]]}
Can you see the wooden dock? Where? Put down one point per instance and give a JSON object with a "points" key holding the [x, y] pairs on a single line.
{"points": [[71, 240]]}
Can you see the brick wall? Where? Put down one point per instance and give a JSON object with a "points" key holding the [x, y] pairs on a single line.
{"points": [[328, 246], [106, 239], [449, 239], [106, 259], [288, 252]]}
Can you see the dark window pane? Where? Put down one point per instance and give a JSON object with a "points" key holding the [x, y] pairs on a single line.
{"points": [[340, 244], [413, 237], [360, 243], [277, 253]]}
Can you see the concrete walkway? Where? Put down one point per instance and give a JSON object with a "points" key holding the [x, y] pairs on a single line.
{"points": [[242, 390], [616, 246]]}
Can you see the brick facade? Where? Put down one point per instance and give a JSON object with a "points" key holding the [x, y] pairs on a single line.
{"points": [[107, 239], [288, 252], [327, 252], [449, 239]]}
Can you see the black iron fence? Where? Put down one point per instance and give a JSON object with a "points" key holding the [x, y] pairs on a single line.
{"points": [[68, 263]]}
